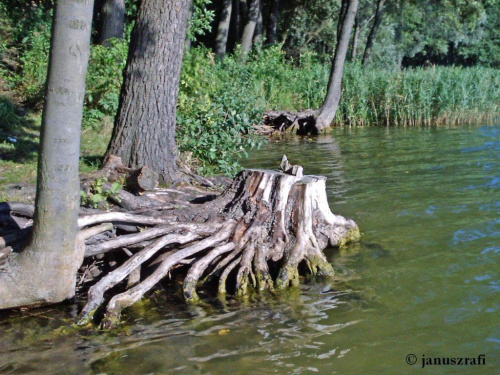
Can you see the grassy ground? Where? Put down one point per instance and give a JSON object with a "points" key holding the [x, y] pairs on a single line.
{"points": [[19, 137]]}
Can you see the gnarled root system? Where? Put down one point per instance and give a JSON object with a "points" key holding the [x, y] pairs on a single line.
{"points": [[259, 233]]}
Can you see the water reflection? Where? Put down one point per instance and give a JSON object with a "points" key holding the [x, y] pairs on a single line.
{"points": [[424, 279]]}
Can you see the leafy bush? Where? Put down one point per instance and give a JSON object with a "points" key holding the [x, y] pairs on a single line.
{"points": [[217, 112], [104, 80], [98, 193]]}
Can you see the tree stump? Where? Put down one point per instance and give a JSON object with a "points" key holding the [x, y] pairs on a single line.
{"points": [[258, 234]]}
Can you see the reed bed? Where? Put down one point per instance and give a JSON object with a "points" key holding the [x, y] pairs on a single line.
{"points": [[410, 97]]}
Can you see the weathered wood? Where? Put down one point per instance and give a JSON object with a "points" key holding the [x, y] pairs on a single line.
{"points": [[282, 121], [96, 293], [131, 239], [122, 218], [142, 179], [16, 208], [195, 272], [10, 239], [128, 298], [12, 221], [265, 217]]}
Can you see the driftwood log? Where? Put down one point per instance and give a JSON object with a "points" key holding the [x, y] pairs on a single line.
{"points": [[257, 234], [302, 123]]}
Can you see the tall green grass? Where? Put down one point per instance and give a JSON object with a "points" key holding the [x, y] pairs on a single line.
{"points": [[423, 96], [410, 97]]}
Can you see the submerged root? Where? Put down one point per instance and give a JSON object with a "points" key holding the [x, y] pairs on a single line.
{"points": [[257, 234]]}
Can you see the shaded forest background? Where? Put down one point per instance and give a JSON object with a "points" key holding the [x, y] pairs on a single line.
{"points": [[431, 62]]}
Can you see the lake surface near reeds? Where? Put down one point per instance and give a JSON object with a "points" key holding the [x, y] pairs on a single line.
{"points": [[424, 280]]}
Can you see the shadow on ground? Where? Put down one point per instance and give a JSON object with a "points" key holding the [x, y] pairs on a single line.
{"points": [[18, 133]]}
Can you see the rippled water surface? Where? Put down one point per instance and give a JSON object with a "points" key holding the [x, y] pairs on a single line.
{"points": [[424, 280]]}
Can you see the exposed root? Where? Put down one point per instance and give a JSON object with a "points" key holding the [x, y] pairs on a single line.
{"points": [[196, 271], [126, 299], [258, 233], [96, 293], [225, 274]]}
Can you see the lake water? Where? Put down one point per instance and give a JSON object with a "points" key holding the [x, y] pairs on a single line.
{"points": [[423, 281]]}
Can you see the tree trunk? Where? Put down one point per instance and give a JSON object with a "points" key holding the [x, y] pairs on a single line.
{"points": [[355, 39], [331, 103], [243, 7], [249, 30], [222, 31], [342, 14], [144, 131], [373, 32], [111, 21], [272, 26], [259, 29], [188, 41], [235, 25], [45, 271]]}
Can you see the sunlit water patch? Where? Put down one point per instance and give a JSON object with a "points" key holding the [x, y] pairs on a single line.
{"points": [[424, 280]]}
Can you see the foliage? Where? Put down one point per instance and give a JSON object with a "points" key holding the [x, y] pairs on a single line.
{"points": [[217, 111], [221, 101], [410, 97], [27, 30], [98, 195], [201, 20], [440, 31], [104, 80]]}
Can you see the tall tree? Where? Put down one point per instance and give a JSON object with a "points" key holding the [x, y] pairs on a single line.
{"points": [[331, 103], [144, 131], [111, 20], [272, 24], [355, 38], [249, 30], [342, 14], [373, 31], [223, 29], [45, 271], [259, 29]]}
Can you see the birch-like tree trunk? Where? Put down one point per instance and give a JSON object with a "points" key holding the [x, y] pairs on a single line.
{"points": [[272, 25], [223, 29], [331, 103], [373, 32], [355, 39], [249, 30], [45, 271]]}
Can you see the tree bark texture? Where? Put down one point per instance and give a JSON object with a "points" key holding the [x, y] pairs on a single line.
{"points": [[144, 131], [331, 103], [111, 21], [45, 271], [223, 29], [249, 30], [373, 32], [272, 25], [188, 41]]}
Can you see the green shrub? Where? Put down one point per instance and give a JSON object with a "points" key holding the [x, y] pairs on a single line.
{"points": [[217, 112], [104, 80]]}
